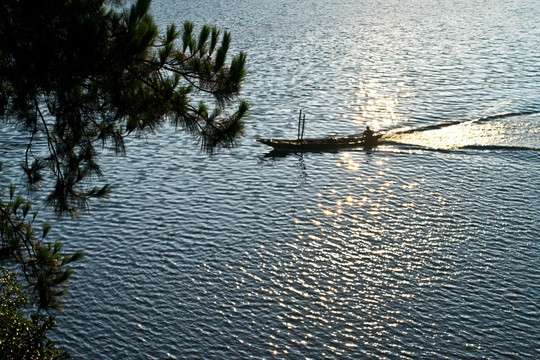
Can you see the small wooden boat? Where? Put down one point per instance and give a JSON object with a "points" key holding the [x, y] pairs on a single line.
{"points": [[321, 144]]}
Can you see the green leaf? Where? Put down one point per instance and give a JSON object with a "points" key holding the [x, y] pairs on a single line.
{"points": [[26, 208], [46, 228], [172, 34], [203, 38], [214, 40], [187, 37]]}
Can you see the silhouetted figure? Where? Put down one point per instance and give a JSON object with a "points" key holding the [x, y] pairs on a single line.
{"points": [[368, 134]]}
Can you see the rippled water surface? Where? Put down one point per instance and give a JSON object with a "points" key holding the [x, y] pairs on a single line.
{"points": [[426, 247]]}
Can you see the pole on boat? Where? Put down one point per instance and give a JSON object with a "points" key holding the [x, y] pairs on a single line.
{"points": [[303, 126], [299, 121]]}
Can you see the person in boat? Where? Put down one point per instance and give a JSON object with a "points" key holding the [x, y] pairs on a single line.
{"points": [[368, 134]]}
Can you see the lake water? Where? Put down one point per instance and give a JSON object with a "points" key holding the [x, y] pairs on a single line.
{"points": [[426, 247]]}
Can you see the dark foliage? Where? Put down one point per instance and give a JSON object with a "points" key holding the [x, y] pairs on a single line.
{"points": [[79, 75], [22, 338]]}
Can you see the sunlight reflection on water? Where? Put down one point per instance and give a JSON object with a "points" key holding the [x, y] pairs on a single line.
{"points": [[379, 109], [400, 252]]}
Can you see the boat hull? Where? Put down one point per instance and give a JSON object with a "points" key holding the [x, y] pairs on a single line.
{"points": [[321, 144]]}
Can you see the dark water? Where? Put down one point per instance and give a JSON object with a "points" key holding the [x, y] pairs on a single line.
{"points": [[424, 248]]}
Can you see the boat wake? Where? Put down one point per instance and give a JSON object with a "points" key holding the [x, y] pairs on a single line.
{"points": [[500, 147], [508, 131], [507, 115]]}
